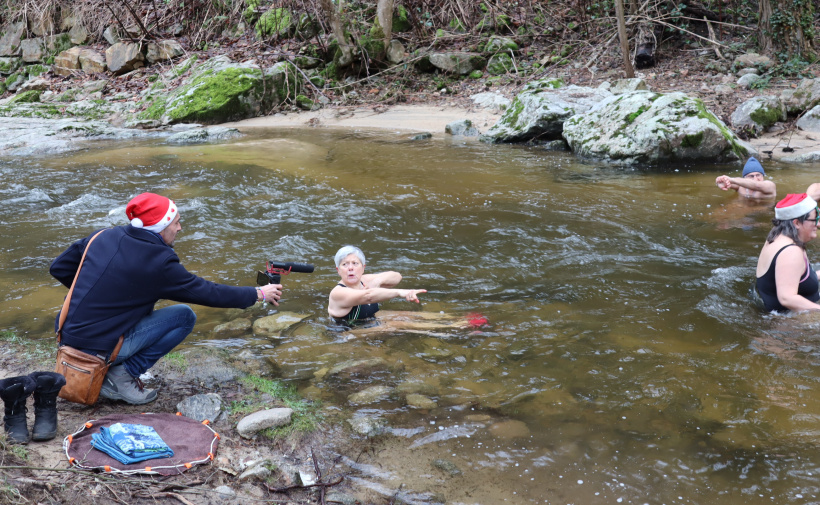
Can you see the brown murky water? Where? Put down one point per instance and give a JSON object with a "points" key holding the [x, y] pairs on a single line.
{"points": [[623, 361]]}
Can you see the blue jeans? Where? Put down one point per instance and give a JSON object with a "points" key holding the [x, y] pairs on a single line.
{"points": [[153, 337]]}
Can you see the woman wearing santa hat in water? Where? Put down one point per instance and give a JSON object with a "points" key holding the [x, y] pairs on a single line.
{"points": [[126, 271], [785, 279]]}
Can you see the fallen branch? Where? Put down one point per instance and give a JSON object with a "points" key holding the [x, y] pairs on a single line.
{"points": [[713, 39]]}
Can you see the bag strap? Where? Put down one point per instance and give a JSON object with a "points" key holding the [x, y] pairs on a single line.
{"points": [[64, 311], [116, 351], [67, 301]]}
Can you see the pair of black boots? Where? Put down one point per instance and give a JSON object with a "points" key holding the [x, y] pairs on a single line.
{"points": [[14, 392]]}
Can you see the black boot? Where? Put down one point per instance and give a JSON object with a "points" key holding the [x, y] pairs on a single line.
{"points": [[14, 391], [48, 386]]}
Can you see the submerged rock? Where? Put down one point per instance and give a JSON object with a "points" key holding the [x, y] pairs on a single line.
{"points": [[368, 426], [272, 325], [373, 394], [32, 136], [646, 127], [463, 128], [204, 135]]}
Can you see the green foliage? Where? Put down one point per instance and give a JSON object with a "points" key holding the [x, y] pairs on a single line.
{"points": [[177, 360], [455, 24], [794, 66], [601, 9], [39, 350], [764, 82]]}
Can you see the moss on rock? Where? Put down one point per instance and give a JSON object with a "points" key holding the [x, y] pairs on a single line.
{"points": [[765, 116], [36, 70], [219, 91], [401, 21], [274, 23], [500, 64], [693, 140], [26, 97]]}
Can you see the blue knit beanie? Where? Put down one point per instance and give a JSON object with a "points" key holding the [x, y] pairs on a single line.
{"points": [[753, 166]]}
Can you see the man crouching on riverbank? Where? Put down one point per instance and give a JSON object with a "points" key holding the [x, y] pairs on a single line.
{"points": [[126, 270], [752, 185]]}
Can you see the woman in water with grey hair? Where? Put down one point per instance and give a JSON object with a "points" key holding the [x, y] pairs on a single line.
{"points": [[785, 279], [356, 298]]}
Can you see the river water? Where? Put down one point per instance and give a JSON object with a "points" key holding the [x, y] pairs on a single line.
{"points": [[623, 362]]}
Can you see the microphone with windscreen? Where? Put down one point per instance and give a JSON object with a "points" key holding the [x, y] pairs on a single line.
{"points": [[275, 270]]}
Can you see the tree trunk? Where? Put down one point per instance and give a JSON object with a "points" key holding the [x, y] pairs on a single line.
{"points": [[785, 27], [336, 21], [384, 12], [619, 11], [764, 27]]}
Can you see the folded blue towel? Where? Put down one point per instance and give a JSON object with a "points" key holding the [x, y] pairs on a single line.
{"points": [[130, 443]]}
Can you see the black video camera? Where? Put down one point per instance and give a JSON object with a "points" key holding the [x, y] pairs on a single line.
{"points": [[274, 271]]}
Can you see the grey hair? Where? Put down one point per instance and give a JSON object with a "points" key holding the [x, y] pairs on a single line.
{"points": [[346, 251], [786, 227]]}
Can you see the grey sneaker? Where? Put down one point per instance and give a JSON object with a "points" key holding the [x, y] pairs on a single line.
{"points": [[119, 385]]}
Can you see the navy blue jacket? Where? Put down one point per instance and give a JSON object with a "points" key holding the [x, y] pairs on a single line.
{"points": [[126, 271]]}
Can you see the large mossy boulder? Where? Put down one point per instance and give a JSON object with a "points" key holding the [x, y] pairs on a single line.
{"points": [[753, 116], [221, 90], [647, 127], [539, 111]]}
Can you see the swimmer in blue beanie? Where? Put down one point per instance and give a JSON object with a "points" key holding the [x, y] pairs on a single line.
{"points": [[752, 185]]}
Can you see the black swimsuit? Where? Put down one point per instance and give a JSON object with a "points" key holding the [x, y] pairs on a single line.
{"points": [[767, 285], [359, 313]]}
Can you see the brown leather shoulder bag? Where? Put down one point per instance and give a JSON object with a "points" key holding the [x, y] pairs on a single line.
{"points": [[84, 373]]}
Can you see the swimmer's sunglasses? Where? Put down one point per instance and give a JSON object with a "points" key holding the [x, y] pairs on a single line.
{"points": [[816, 216]]}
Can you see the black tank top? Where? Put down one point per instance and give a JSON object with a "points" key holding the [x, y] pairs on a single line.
{"points": [[359, 313], [767, 285]]}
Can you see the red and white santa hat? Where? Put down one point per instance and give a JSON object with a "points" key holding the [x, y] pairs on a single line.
{"points": [[151, 211], [794, 206]]}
